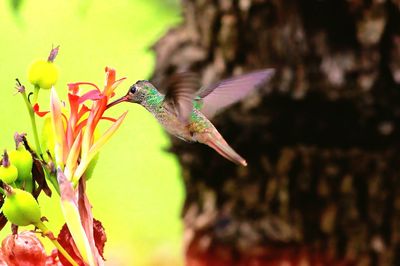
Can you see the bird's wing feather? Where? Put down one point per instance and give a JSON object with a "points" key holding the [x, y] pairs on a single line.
{"points": [[180, 92], [230, 91]]}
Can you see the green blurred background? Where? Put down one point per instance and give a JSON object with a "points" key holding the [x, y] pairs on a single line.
{"points": [[136, 191]]}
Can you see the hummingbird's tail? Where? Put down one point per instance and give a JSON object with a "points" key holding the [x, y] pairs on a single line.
{"points": [[223, 148]]}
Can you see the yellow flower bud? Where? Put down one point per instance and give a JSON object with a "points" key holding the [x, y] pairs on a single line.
{"points": [[43, 74]]}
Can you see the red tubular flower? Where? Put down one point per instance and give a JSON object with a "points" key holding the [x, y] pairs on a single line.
{"points": [[74, 148], [75, 144]]}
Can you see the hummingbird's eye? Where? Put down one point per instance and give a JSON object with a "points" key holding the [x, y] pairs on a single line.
{"points": [[132, 89]]}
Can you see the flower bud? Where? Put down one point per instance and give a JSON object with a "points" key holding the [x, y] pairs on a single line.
{"points": [[22, 159], [8, 172], [43, 74], [20, 207]]}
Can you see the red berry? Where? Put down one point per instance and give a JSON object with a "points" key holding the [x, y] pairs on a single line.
{"points": [[3, 261], [52, 259], [23, 249]]}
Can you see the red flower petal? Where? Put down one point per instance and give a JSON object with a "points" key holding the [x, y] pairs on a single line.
{"points": [[110, 80], [80, 125], [36, 110], [91, 95], [74, 87], [109, 118], [67, 242], [73, 103], [84, 110], [73, 118], [100, 237], [110, 74]]}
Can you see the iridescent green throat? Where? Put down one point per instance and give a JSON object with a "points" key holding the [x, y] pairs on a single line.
{"points": [[153, 99]]}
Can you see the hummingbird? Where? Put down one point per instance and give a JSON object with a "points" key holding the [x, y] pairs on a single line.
{"points": [[186, 108]]}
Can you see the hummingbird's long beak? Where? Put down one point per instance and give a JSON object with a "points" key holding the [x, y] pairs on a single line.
{"points": [[120, 100]]}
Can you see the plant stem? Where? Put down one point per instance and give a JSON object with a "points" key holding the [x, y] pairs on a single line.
{"points": [[29, 185], [52, 179], [50, 236], [33, 122], [35, 94]]}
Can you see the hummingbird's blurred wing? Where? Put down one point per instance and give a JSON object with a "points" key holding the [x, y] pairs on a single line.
{"points": [[180, 92], [230, 91]]}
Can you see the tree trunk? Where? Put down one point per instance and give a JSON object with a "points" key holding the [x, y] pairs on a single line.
{"points": [[322, 139]]}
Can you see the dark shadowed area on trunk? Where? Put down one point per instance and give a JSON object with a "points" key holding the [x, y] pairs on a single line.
{"points": [[322, 186]]}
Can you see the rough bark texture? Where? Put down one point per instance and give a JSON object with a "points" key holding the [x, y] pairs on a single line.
{"points": [[322, 140]]}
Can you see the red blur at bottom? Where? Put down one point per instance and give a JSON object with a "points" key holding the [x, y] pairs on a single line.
{"points": [[283, 255]]}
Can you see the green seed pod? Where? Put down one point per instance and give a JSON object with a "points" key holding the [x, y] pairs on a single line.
{"points": [[20, 207], [8, 172], [22, 159]]}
